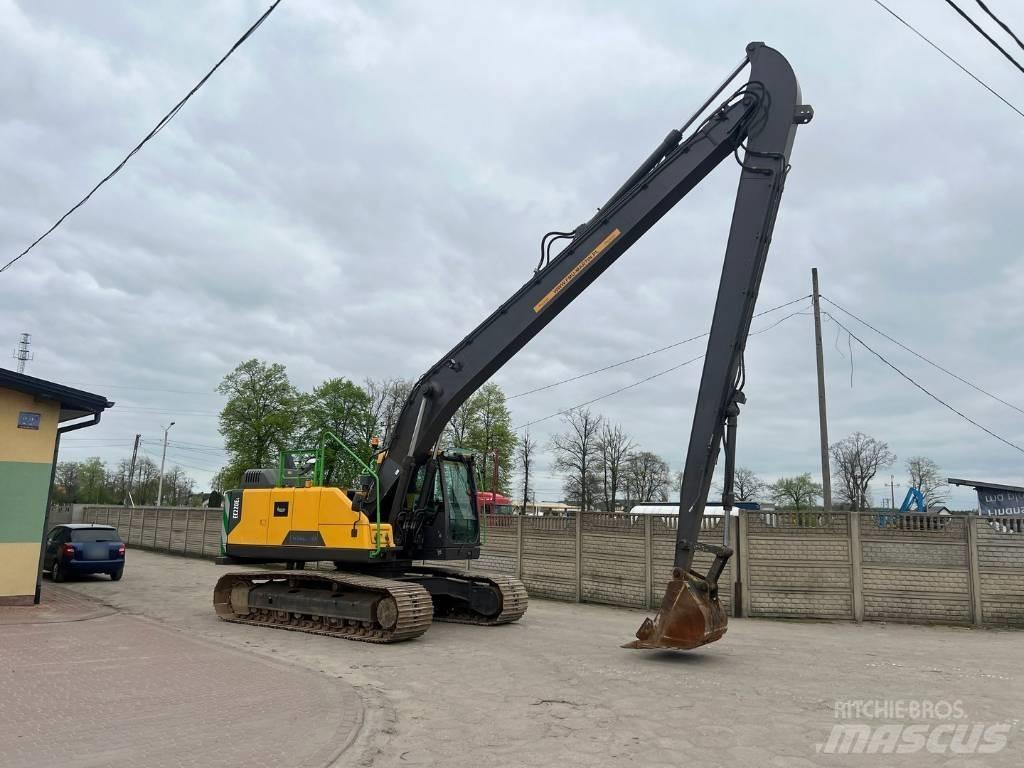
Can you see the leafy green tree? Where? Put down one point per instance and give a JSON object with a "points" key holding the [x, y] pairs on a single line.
{"points": [[343, 408], [796, 493], [492, 439], [259, 420], [483, 425], [92, 479]]}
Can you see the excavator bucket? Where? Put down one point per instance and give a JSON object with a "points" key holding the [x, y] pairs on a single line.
{"points": [[690, 615]]}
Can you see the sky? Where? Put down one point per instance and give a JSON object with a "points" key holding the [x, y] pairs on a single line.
{"points": [[364, 182]]}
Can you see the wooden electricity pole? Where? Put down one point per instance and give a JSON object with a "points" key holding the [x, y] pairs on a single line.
{"points": [[826, 478], [131, 474]]}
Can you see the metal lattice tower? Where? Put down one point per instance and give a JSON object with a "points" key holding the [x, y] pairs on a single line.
{"points": [[22, 354]]}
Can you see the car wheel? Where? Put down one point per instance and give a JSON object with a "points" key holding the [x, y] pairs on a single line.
{"points": [[116, 575], [57, 573]]}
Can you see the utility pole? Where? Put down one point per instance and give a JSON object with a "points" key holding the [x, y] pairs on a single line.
{"points": [[892, 490], [163, 458], [131, 473], [21, 354], [826, 477], [494, 487]]}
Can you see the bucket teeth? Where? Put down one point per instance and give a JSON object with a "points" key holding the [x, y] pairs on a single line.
{"points": [[690, 616]]}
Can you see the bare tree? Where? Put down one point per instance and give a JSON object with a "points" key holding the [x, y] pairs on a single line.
{"points": [[614, 447], [387, 396], [577, 455], [525, 456], [747, 486], [855, 461], [646, 477], [924, 474]]}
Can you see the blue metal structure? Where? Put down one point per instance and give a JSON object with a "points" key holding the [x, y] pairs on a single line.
{"points": [[913, 498]]}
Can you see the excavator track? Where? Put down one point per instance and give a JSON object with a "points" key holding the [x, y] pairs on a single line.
{"points": [[400, 610], [514, 599]]}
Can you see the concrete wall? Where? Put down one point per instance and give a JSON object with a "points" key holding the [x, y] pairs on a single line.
{"points": [[178, 530], [26, 464], [861, 567]]}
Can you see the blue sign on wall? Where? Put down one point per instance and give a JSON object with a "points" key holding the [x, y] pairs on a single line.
{"points": [[28, 420]]}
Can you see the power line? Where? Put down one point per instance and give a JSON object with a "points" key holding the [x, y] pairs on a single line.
{"points": [[159, 126], [984, 34], [1001, 23], [609, 394], [178, 463], [641, 356], [936, 398], [146, 389], [656, 375], [965, 70], [932, 363]]}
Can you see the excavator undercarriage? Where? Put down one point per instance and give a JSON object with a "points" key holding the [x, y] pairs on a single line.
{"points": [[370, 608]]}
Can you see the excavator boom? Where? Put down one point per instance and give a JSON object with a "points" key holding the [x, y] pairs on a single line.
{"points": [[756, 125], [424, 500]]}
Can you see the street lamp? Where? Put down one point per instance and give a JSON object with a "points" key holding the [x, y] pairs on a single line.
{"points": [[163, 458]]}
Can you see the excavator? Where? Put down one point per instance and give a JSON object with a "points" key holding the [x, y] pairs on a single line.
{"points": [[417, 503]]}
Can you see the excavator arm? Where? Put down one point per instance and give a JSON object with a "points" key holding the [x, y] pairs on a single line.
{"points": [[756, 125]]}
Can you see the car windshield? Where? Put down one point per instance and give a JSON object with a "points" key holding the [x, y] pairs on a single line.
{"points": [[94, 534]]}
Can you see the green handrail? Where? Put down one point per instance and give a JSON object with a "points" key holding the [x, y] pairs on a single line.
{"points": [[366, 467]]}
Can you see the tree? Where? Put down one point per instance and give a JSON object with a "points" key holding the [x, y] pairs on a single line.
{"points": [[646, 477], [577, 455], [147, 475], [795, 493], [92, 481], [855, 461], [924, 474], [614, 447], [259, 418], [525, 456], [456, 433], [342, 408], [747, 486], [483, 425], [66, 482], [387, 397], [491, 437]]}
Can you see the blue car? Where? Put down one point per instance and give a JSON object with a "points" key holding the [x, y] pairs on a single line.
{"points": [[75, 548]]}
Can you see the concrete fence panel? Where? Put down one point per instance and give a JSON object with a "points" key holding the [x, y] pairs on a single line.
{"points": [[874, 567], [613, 561], [916, 568], [799, 565], [1000, 559], [547, 562]]}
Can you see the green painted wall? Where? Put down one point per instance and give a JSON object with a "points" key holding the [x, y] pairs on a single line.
{"points": [[23, 489]]}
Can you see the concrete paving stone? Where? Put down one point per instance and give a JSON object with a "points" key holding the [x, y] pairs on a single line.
{"points": [[124, 690]]}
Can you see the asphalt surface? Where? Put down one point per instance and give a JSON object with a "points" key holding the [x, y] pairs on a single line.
{"points": [[557, 690]]}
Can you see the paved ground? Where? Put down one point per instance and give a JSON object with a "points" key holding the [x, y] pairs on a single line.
{"points": [[58, 605], [556, 689], [87, 687]]}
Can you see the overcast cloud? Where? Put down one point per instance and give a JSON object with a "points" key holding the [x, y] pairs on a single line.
{"points": [[362, 183]]}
